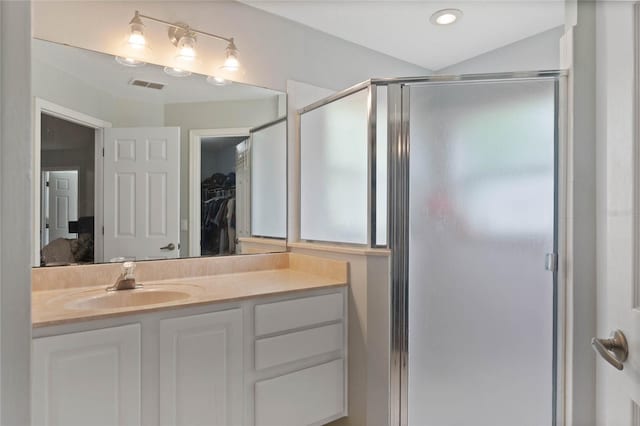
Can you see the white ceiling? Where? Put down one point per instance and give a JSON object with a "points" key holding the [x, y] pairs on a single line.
{"points": [[402, 29], [103, 72]]}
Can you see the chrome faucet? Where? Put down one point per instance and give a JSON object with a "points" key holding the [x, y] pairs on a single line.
{"points": [[127, 279]]}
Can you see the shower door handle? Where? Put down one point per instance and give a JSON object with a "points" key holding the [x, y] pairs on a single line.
{"points": [[614, 350]]}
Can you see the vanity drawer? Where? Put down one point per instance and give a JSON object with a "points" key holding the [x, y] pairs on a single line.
{"points": [[306, 397], [291, 314], [292, 347]]}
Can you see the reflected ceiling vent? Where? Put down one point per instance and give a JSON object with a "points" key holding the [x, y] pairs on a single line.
{"points": [[147, 84]]}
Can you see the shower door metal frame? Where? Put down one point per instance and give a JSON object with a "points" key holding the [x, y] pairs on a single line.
{"points": [[372, 112], [398, 227]]}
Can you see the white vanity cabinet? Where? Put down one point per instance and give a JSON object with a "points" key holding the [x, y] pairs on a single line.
{"points": [[87, 378], [201, 369], [267, 361], [303, 342]]}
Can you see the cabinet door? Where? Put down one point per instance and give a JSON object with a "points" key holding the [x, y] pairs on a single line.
{"points": [[87, 378], [201, 369]]}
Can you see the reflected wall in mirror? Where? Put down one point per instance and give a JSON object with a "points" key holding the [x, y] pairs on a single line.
{"points": [[136, 163]]}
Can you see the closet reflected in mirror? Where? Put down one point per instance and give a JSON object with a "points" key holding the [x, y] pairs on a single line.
{"points": [[144, 162]]}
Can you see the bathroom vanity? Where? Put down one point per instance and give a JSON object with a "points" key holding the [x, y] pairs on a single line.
{"points": [[252, 340]]}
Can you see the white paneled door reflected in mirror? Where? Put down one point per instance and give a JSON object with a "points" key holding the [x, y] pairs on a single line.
{"points": [[137, 162]]}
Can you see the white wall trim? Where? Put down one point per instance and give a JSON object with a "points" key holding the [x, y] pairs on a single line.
{"points": [[67, 114], [340, 248], [564, 276], [195, 162], [564, 415], [636, 154], [98, 211]]}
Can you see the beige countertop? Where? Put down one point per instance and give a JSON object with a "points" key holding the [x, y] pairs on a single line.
{"points": [[81, 303]]}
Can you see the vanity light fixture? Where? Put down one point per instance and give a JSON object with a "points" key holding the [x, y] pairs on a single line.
{"points": [[446, 16], [184, 38]]}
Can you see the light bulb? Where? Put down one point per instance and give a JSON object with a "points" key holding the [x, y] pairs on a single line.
{"points": [[186, 48], [231, 63], [137, 40], [136, 35]]}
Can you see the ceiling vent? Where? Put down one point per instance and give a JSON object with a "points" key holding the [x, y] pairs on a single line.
{"points": [[147, 84]]}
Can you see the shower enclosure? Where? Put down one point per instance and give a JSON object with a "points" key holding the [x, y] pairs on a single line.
{"points": [[460, 178]]}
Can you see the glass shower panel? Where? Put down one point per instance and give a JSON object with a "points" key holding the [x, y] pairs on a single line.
{"points": [[269, 181], [482, 200], [333, 171]]}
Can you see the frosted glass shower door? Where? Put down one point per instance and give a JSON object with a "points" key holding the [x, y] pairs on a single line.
{"points": [[482, 219]]}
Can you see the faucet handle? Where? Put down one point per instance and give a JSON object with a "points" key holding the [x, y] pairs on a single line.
{"points": [[129, 269]]}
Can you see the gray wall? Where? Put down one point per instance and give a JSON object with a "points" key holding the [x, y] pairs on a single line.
{"points": [[218, 158], [15, 212], [539, 52], [54, 85], [583, 382]]}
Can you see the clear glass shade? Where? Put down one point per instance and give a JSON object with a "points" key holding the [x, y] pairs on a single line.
{"points": [[186, 49], [137, 39], [231, 63]]}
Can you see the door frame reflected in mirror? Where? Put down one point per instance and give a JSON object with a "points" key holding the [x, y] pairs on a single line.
{"points": [[46, 210], [195, 178], [42, 106]]}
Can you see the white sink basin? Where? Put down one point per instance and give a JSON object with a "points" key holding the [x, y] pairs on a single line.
{"points": [[127, 298]]}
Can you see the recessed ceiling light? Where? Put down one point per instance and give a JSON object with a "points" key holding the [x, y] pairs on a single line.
{"points": [[446, 16]]}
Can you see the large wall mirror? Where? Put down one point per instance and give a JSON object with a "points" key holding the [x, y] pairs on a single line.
{"points": [[149, 162]]}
